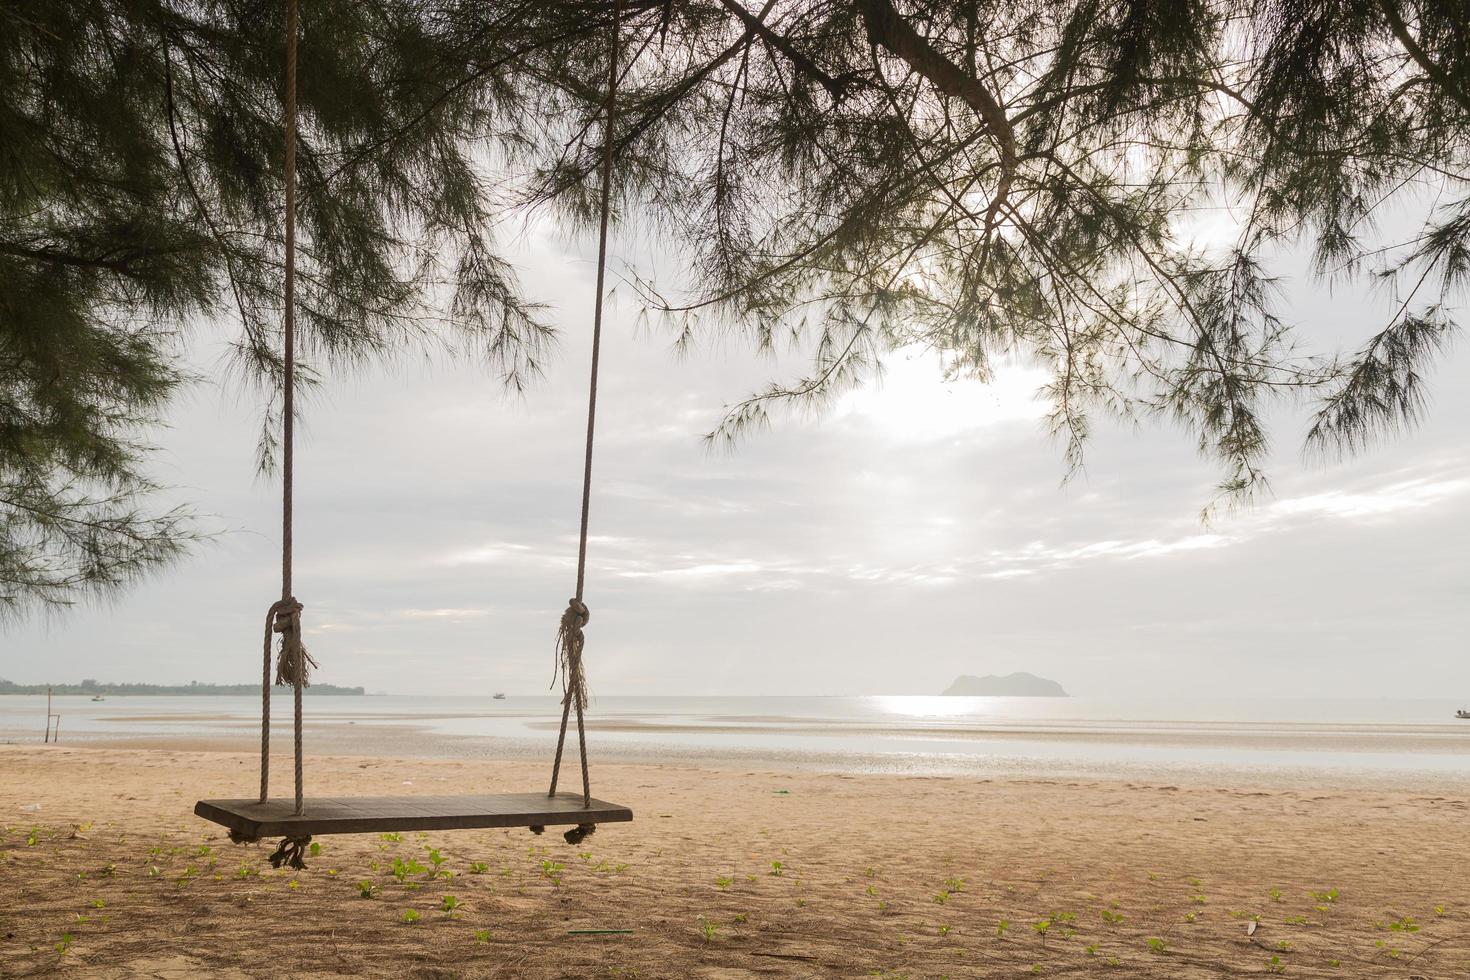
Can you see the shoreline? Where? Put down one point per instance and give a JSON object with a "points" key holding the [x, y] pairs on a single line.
{"points": [[407, 743]]}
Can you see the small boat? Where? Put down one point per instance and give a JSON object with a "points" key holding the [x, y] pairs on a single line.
{"points": [[98, 697], [500, 696], [1462, 713]]}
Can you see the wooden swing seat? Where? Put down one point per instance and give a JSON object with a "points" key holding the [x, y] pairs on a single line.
{"points": [[384, 814]]}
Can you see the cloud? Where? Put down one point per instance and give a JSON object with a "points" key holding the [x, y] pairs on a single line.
{"points": [[445, 614], [913, 403], [1376, 503]]}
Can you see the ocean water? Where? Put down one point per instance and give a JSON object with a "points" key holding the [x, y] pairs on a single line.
{"points": [[1298, 740]]}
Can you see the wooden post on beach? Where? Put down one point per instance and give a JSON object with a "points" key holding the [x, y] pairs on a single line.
{"points": [[50, 735]]}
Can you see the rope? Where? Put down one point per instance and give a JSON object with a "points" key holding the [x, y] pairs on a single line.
{"points": [[295, 664], [569, 638], [284, 615]]}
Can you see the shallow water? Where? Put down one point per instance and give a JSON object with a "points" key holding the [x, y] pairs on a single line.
{"points": [[1302, 741]]}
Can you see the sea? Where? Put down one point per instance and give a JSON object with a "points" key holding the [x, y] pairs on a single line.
{"points": [[1402, 743]]}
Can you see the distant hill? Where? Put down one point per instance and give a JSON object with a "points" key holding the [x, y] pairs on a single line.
{"points": [[1018, 685], [90, 687]]}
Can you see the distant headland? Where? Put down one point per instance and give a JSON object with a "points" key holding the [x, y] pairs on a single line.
{"points": [[1018, 685], [91, 687]]}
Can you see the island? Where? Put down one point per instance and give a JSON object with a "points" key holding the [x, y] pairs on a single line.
{"points": [[94, 688], [1017, 685]]}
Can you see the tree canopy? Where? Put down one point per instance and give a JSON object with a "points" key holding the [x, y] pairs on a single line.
{"points": [[987, 179]]}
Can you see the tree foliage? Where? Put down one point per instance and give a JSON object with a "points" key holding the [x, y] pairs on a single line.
{"points": [[1049, 180], [140, 191], [1035, 179]]}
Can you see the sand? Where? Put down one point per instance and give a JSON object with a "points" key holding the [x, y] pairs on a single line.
{"points": [[105, 872]]}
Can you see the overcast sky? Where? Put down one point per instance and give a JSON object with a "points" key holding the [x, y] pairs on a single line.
{"points": [[913, 533]]}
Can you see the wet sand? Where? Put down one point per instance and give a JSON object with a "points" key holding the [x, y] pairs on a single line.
{"points": [[105, 872]]}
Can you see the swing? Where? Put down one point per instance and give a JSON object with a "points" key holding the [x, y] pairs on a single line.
{"points": [[299, 820]]}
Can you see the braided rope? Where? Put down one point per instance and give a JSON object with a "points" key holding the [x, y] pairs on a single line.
{"points": [[296, 664], [570, 638], [284, 615]]}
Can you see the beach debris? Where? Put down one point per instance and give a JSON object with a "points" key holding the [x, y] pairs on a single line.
{"points": [[30, 808], [1250, 928]]}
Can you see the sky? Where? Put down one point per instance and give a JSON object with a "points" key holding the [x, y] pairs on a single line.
{"points": [[913, 532]]}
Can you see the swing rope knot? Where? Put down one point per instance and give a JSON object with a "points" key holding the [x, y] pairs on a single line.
{"points": [[293, 663], [569, 641], [292, 853]]}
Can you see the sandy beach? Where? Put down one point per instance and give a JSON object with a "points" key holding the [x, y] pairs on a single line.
{"points": [[104, 871]]}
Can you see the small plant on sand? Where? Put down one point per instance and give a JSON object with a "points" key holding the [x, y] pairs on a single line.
{"points": [[1001, 927], [1295, 920], [1441, 911], [1091, 949], [777, 868], [953, 885], [1405, 925], [315, 850], [723, 882], [1156, 944], [65, 944], [708, 928], [941, 898], [479, 867], [870, 871], [34, 837], [482, 935], [871, 891], [1111, 918], [451, 906], [741, 917], [1284, 946], [390, 838], [97, 903], [437, 860], [367, 889], [1329, 897], [1042, 927], [1274, 965], [944, 930], [552, 870], [1190, 916], [1275, 894], [410, 916], [402, 869]]}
